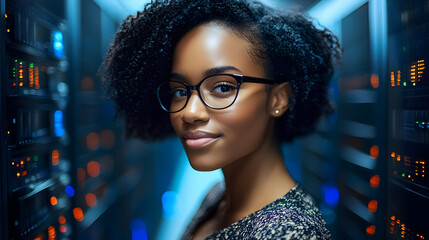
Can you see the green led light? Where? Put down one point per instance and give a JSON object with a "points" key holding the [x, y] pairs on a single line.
{"points": [[417, 122], [403, 174], [36, 158], [20, 63], [423, 123], [16, 60], [405, 84], [414, 84], [13, 69], [31, 65]]}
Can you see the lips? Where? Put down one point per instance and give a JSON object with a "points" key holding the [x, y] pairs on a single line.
{"points": [[197, 139]]}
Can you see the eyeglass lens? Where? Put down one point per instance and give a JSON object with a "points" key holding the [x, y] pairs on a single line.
{"points": [[217, 91]]}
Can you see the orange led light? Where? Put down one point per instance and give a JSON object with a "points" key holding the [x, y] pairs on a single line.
{"points": [[39, 237], [93, 168], [36, 77], [398, 79], [374, 80], [54, 201], [374, 181], [31, 76], [370, 230], [372, 206], [63, 229], [5, 15], [92, 141], [398, 158], [91, 199], [61, 219], [78, 214], [55, 157], [374, 151], [51, 233], [18, 174], [8, 30]]}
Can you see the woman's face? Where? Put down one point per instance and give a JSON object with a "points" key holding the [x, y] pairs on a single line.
{"points": [[215, 138]]}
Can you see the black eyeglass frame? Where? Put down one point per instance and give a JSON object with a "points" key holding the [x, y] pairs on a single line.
{"points": [[238, 77]]}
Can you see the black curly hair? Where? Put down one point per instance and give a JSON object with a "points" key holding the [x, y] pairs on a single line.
{"points": [[288, 44]]}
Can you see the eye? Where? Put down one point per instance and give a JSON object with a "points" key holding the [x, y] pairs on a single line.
{"points": [[224, 87], [179, 92]]}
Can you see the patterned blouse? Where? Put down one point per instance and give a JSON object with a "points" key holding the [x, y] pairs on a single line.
{"points": [[293, 216]]}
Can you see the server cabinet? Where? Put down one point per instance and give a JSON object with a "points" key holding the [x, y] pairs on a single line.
{"points": [[35, 159], [408, 116]]}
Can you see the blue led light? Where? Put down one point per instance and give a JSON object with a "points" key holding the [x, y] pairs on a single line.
{"points": [[69, 190], [58, 44], [138, 229], [58, 123], [331, 195], [170, 205]]}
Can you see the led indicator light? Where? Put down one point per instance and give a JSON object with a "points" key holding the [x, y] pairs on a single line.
{"points": [[63, 229], [55, 157], [54, 201], [61, 219], [370, 230], [91, 199], [78, 214], [372, 206], [69, 191]]}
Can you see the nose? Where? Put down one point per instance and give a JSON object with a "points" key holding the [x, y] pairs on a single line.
{"points": [[195, 110]]}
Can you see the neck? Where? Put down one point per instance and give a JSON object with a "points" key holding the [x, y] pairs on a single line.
{"points": [[254, 181]]}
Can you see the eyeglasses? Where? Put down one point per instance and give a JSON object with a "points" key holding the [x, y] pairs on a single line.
{"points": [[217, 91]]}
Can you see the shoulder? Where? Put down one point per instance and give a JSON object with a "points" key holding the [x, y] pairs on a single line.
{"points": [[294, 216], [290, 224]]}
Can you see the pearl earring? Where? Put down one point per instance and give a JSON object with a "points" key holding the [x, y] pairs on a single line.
{"points": [[277, 111]]}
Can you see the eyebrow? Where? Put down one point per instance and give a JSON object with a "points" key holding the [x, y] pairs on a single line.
{"points": [[208, 72]]}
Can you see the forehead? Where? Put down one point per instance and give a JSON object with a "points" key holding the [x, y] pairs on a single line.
{"points": [[212, 45]]}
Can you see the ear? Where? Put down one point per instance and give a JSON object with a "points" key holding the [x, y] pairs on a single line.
{"points": [[279, 99]]}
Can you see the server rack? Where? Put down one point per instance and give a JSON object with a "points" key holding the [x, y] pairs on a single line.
{"points": [[381, 134], [408, 115], [35, 159]]}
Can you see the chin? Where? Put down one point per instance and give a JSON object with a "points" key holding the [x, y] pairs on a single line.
{"points": [[202, 164]]}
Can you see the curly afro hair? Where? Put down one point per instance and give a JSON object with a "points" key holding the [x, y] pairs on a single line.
{"points": [[287, 44]]}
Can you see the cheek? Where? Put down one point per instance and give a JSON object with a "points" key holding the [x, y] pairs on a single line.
{"points": [[245, 124]]}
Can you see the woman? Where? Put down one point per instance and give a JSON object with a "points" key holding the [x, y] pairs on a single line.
{"points": [[232, 79]]}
